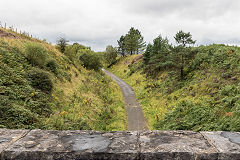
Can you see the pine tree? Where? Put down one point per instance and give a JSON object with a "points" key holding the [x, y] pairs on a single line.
{"points": [[183, 39], [134, 41], [140, 42], [160, 57], [147, 54], [130, 41], [121, 46]]}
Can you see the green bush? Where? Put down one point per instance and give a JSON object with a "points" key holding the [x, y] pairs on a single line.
{"points": [[110, 55], [230, 96], [187, 116], [36, 54], [15, 116], [41, 107], [90, 60], [52, 66], [40, 80]]}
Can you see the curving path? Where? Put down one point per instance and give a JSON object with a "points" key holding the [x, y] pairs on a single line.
{"points": [[135, 116]]}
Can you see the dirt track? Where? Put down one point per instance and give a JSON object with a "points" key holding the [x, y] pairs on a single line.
{"points": [[135, 117]]}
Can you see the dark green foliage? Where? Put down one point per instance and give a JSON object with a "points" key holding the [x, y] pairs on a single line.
{"points": [[187, 116], [62, 43], [52, 66], [182, 53], [219, 56], [40, 104], [40, 80], [36, 54], [222, 115], [14, 90], [121, 46], [222, 111], [131, 43], [71, 51], [15, 116], [158, 56], [161, 56], [147, 54], [207, 98], [24, 90], [27, 81], [90, 60], [134, 41], [230, 96], [183, 38], [110, 55]]}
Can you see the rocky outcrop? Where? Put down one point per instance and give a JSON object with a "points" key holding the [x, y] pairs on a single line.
{"points": [[81, 145]]}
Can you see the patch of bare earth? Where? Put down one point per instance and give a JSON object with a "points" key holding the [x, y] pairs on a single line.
{"points": [[7, 34], [137, 59]]}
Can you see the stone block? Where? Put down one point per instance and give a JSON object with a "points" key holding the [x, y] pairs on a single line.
{"points": [[181, 145], [69, 145], [7, 137], [227, 144]]}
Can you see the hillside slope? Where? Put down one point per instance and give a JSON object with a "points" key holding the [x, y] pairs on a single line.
{"points": [[42, 88], [207, 99]]}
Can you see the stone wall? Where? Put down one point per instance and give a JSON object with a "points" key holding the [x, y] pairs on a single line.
{"points": [[82, 145]]}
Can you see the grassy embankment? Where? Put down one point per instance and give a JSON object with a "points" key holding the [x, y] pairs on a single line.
{"points": [[49, 91], [207, 99]]}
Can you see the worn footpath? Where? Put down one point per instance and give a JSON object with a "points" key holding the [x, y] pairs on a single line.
{"points": [[135, 117]]}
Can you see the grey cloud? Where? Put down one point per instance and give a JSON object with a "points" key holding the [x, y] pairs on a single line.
{"points": [[98, 23], [201, 9]]}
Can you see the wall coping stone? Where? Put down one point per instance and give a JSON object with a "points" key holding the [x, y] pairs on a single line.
{"points": [[118, 145]]}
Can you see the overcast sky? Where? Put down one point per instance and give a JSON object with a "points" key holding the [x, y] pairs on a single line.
{"points": [[98, 23]]}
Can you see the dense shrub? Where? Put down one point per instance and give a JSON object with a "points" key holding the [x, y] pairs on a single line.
{"points": [[26, 83], [158, 57], [15, 116], [40, 80], [52, 66], [110, 55], [187, 116], [219, 115], [90, 60], [40, 106], [36, 54], [71, 51]]}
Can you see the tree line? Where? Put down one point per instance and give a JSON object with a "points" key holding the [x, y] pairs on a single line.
{"points": [[129, 44], [159, 55]]}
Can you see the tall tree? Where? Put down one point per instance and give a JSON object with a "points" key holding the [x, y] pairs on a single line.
{"points": [[62, 43], [183, 40], [160, 56], [130, 41], [147, 54], [121, 46], [140, 42], [134, 41]]}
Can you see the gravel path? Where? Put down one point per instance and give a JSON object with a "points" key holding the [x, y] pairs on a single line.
{"points": [[135, 117]]}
